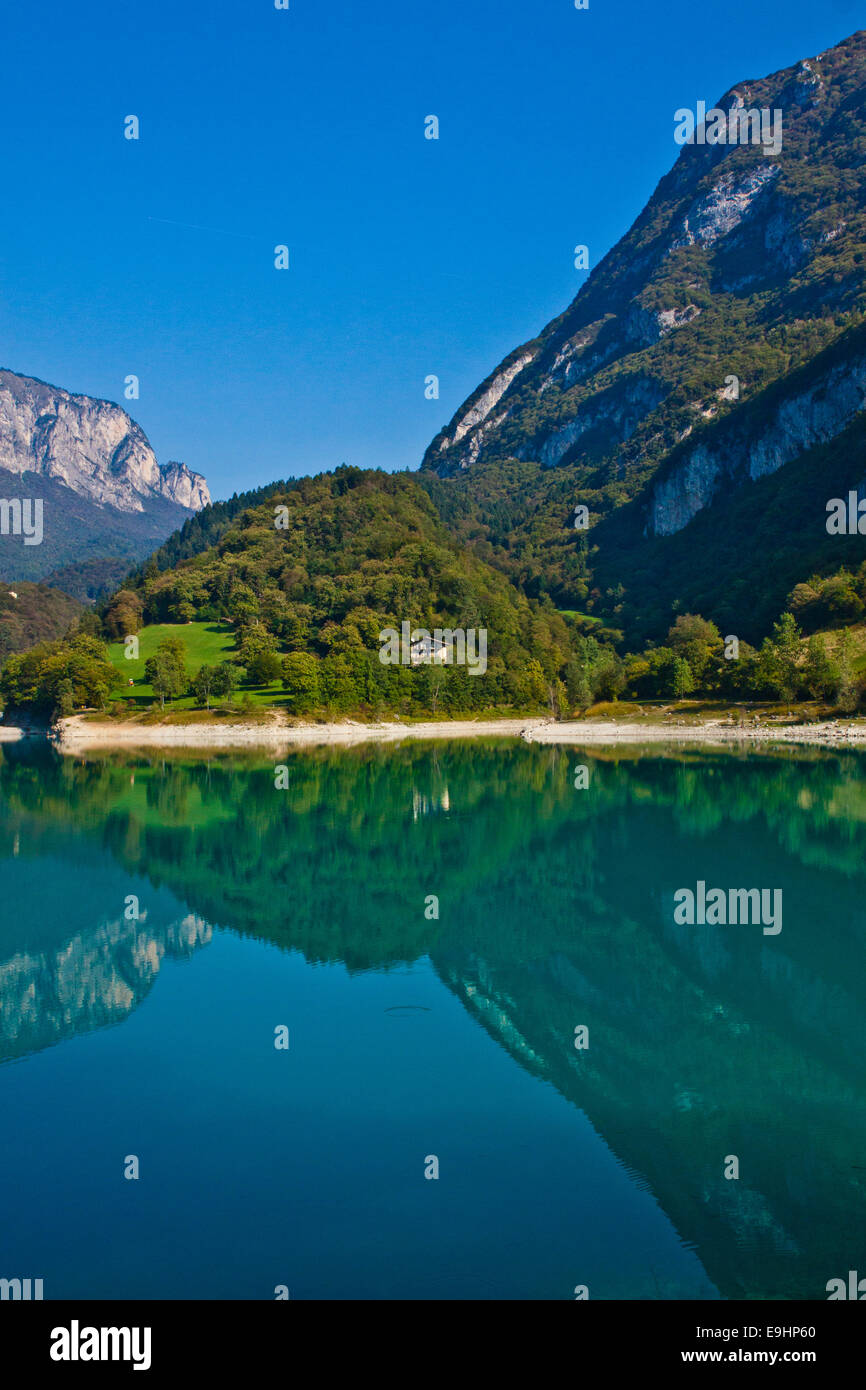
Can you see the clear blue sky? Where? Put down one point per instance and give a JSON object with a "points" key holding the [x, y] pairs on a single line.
{"points": [[306, 127]]}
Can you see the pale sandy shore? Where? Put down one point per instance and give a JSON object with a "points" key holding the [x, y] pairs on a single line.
{"points": [[78, 735], [708, 732]]}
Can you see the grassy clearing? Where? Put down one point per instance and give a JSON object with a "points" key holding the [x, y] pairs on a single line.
{"points": [[587, 618], [858, 634], [207, 644]]}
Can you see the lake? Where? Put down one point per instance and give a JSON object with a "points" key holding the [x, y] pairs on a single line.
{"points": [[424, 1022]]}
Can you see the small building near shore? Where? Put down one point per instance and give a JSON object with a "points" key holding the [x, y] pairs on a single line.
{"points": [[428, 651]]}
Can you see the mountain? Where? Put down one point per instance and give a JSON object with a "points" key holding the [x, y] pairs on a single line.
{"points": [[703, 396], [91, 446], [102, 491]]}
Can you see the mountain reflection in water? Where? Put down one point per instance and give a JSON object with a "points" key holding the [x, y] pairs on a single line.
{"points": [[555, 911]]}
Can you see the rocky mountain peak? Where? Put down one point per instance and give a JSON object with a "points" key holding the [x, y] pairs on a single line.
{"points": [[90, 446]]}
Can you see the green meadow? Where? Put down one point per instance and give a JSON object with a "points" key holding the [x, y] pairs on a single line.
{"points": [[207, 644]]}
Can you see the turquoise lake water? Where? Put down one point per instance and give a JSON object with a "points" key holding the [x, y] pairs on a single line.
{"points": [[413, 1037]]}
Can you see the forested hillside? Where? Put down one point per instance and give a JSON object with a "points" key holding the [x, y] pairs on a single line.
{"points": [[33, 613]]}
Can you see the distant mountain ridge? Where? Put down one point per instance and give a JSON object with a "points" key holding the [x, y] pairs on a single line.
{"points": [[104, 496], [91, 446]]}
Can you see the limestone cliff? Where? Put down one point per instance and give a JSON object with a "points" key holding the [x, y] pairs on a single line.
{"points": [[90, 446]]}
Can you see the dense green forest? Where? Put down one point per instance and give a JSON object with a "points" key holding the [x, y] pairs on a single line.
{"points": [[33, 613], [90, 580], [205, 528], [308, 579]]}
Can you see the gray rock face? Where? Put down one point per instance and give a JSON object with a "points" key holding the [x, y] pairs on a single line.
{"points": [[619, 413], [804, 419], [91, 446], [475, 417], [728, 202]]}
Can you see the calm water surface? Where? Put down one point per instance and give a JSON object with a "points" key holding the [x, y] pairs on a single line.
{"points": [[412, 1037]]}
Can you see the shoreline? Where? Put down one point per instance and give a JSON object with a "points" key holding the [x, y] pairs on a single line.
{"points": [[77, 734]]}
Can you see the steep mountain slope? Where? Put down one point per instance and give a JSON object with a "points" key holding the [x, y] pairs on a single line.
{"points": [[76, 531], [716, 345], [102, 491]]}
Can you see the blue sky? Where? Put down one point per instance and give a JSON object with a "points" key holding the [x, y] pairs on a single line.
{"points": [[306, 127]]}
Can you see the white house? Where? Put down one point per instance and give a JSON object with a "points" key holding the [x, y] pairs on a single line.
{"points": [[428, 651]]}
